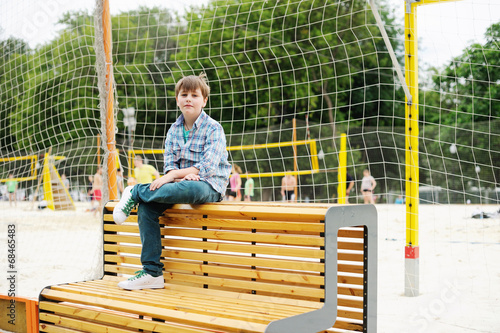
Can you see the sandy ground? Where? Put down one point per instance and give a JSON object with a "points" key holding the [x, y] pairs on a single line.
{"points": [[51, 247], [459, 263]]}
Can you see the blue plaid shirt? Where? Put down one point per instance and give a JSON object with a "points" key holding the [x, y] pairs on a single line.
{"points": [[205, 150]]}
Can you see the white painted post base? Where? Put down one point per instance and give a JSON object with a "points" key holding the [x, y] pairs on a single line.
{"points": [[412, 271]]}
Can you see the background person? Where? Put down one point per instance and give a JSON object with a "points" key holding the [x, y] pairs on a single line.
{"points": [[235, 184], [119, 182], [12, 189], [249, 188], [400, 200], [368, 184], [90, 192], [65, 181], [144, 173], [349, 183], [97, 189], [288, 184]]}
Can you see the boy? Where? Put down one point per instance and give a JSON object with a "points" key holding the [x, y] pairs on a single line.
{"points": [[196, 171]]}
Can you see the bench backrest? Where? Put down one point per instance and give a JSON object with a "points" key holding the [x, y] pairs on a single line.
{"points": [[267, 249]]}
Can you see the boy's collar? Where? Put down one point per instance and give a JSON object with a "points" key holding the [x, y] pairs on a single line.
{"points": [[180, 120]]}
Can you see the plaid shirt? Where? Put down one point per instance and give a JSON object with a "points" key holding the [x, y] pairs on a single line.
{"points": [[205, 150]]}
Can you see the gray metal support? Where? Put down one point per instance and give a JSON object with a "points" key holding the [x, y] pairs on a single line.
{"points": [[388, 44], [339, 217], [412, 273]]}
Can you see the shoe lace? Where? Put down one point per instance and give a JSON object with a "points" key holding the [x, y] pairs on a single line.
{"points": [[138, 275], [129, 205]]}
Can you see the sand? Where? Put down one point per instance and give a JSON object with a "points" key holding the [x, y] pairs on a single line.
{"points": [[51, 247], [459, 263]]}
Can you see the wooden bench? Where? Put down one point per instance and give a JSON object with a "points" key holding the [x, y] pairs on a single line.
{"points": [[233, 267]]}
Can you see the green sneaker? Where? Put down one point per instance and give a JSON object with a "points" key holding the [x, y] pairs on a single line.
{"points": [[142, 280], [126, 204]]}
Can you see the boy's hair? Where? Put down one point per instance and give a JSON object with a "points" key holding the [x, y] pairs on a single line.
{"points": [[193, 82]]}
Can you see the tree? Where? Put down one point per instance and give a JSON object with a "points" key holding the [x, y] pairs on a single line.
{"points": [[274, 61], [14, 53], [463, 102], [59, 101], [283, 59]]}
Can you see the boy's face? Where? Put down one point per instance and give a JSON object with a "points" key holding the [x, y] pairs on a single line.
{"points": [[191, 102]]}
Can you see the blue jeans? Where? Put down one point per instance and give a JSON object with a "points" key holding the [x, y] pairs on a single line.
{"points": [[151, 206]]}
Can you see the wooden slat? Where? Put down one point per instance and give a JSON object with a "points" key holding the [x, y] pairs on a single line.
{"points": [[260, 264], [268, 238], [264, 262], [279, 212], [341, 301], [48, 328], [115, 319], [356, 327], [228, 247], [183, 317], [122, 239], [202, 298], [124, 249], [286, 251], [238, 271], [129, 228], [229, 272], [246, 260], [85, 326], [237, 247], [267, 225]]}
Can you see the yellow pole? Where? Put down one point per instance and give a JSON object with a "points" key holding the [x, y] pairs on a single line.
{"points": [[110, 119], [411, 149], [411, 146], [342, 174]]}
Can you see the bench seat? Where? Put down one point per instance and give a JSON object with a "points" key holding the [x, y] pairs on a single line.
{"points": [[231, 267]]}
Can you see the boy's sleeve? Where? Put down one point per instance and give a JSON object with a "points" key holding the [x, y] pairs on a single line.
{"points": [[168, 156], [213, 152]]}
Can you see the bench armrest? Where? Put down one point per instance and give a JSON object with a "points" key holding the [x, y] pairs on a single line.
{"points": [[340, 217]]}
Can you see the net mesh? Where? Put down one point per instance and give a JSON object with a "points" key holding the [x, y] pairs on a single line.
{"points": [[323, 65]]}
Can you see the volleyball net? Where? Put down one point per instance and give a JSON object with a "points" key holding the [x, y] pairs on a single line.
{"points": [[287, 71]]}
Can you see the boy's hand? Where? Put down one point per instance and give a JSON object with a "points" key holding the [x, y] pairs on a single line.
{"points": [[191, 176], [159, 182]]}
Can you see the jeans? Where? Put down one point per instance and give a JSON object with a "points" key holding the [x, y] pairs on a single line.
{"points": [[151, 206]]}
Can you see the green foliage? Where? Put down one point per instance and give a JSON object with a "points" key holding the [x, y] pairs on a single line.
{"points": [[13, 64], [59, 100], [268, 62], [282, 59], [461, 108]]}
